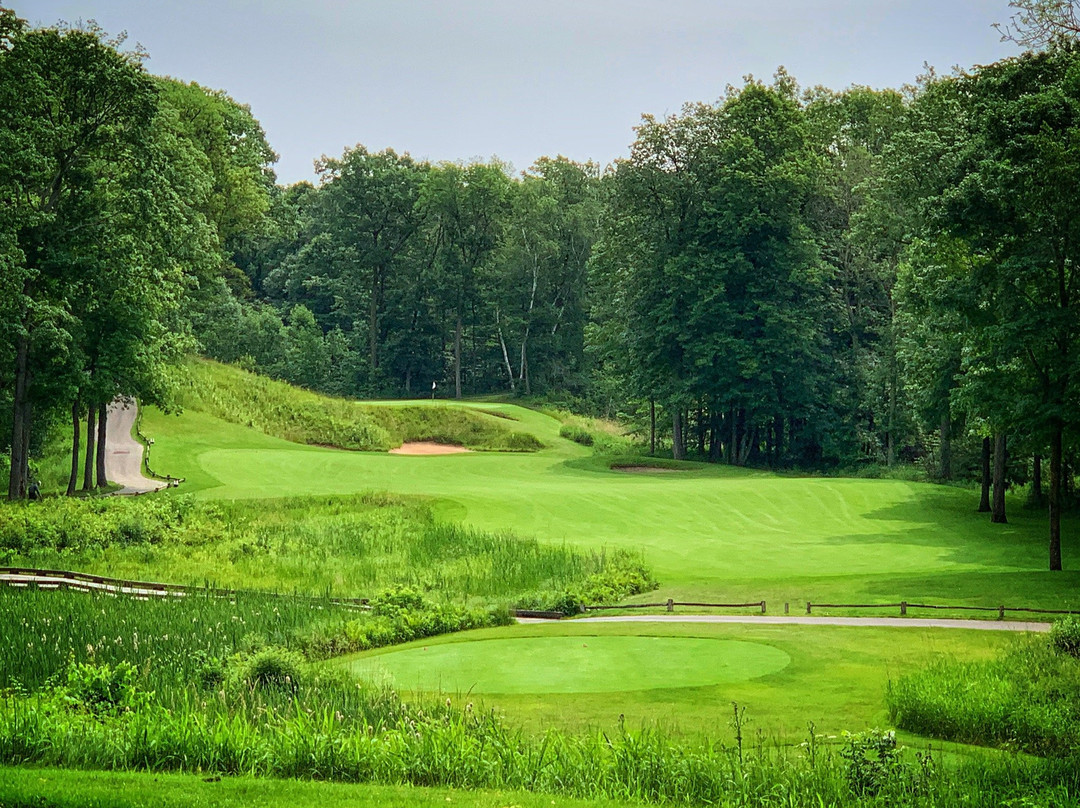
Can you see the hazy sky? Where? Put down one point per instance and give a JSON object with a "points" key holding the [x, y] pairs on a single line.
{"points": [[458, 79]]}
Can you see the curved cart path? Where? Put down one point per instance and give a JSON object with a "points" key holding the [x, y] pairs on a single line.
{"points": [[124, 454], [888, 622]]}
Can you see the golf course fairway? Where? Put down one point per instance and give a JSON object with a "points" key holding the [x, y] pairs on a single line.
{"points": [[588, 664], [712, 533]]}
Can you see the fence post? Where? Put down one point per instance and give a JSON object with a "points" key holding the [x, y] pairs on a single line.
{"points": [[1001, 613], [671, 604], [787, 607], [763, 607], [903, 608], [808, 607]]}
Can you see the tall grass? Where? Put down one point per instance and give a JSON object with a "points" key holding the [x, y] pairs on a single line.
{"points": [[169, 640], [1026, 699], [297, 415], [350, 546], [333, 730]]}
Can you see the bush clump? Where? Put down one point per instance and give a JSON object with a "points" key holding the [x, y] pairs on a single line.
{"points": [[272, 668], [577, 434], [1026, 699], [396, 616], [100, 689], [622, 575], [1065, 636]]}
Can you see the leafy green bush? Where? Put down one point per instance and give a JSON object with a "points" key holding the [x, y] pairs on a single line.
{"points": [[1065, 636], [875, 765], [101, 689], [623, 575], [577, 434], [396, 616], [270, 668]]}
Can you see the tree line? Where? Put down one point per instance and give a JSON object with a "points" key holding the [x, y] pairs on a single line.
{"points": [[786, 277]]}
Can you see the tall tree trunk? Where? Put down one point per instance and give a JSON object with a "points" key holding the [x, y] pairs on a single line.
{"points": [[505, 353], [28, 422], [984, 499], [945, 434], [778, 438], [1055, 496], [457, 358], [678, 448], [523, 376], [997, 513], [714, 436], [1036, 480], [76, 422], [733, 447], [102, 426], [701, 432], [91, 442], [17, 479], [740, 437], [652, 426]]}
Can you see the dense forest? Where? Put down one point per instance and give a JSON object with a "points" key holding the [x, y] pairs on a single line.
{"points": [[786, 277]]}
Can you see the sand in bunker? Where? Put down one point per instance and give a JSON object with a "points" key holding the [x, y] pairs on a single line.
{"points": [[428, 448]]}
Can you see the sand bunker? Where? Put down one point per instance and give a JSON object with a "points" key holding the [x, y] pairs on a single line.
{"points": [[428, 448], [646, 470]]}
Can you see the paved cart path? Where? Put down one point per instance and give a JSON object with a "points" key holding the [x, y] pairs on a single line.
{"points": [[124, 454], [888, 622]]}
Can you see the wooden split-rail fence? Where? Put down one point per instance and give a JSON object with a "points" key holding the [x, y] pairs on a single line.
{"points": [[30, 577]]}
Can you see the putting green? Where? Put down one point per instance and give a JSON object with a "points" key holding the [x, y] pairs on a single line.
{"points": [[584, 664]]}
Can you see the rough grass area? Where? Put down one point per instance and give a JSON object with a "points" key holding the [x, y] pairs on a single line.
{"points": [[326, 729], [348, 546], [175, 641], [1028, 698], [278, 409]]}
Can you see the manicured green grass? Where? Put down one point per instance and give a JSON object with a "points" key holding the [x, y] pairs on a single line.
{"points": [[709, 533], [836, 676], [60, 788], [600, 664]]}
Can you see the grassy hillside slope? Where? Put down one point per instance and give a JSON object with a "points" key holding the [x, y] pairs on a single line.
{"points": [[278, 409]]}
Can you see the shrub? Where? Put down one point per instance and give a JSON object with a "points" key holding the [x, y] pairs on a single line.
{"points": [[1027, 699], [101, 689], [210, 671], [577, 434], [271, 668], [1065, 636]]}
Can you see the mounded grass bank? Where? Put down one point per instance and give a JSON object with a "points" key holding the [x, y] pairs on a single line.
{"points": [[281, 410]]}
